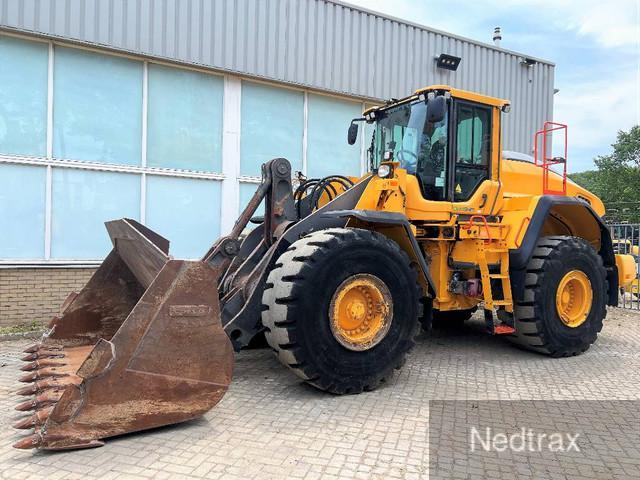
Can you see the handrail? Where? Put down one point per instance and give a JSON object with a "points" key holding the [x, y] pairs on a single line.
{"points": [[484, 220]]}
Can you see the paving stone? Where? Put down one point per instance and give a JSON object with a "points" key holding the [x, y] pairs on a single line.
{"points": [[269, 425]]}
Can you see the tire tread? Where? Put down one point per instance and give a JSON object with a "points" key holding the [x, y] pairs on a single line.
{"points": [[278, 297]]}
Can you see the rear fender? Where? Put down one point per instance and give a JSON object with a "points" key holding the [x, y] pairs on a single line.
{"points": [[559, 215]]}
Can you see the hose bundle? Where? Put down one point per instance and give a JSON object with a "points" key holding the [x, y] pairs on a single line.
{"points": [[308, 194]]}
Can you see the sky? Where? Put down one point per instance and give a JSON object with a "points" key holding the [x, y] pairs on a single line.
{"points": [[595, 45]]}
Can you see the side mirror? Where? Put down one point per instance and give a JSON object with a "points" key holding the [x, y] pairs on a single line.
{"points": [[352, 134], [436, 109]]}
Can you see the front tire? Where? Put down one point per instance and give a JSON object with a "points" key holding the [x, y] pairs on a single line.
{"points": [[374, 277], [564, 301]]}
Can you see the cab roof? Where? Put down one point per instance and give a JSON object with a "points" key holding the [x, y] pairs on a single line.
{"points": [[455, 92]]}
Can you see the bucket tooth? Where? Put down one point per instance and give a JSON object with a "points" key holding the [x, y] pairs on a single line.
{"points": [[35, 420], [29, 377], [48, 397], [30, 366], [46, 362], [40, 373], [32, 348], [40, 401], [41, 347], [32, 441], [26, 406], [25, 423], [44, 353], [52, 383], [28, 390]]}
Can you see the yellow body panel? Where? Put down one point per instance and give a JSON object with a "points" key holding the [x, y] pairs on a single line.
{"points": [[524, 179], [504, 205], [627, 273]]}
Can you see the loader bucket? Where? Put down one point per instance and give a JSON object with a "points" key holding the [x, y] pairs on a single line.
{"points": [[140, 346]]}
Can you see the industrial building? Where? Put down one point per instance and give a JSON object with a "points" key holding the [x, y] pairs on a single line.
{"points": [[164, 110]]}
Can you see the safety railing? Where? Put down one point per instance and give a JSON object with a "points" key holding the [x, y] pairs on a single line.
{"points": [[543, 157], [626, 240]]}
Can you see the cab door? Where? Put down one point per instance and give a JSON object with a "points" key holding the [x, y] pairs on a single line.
{"points": [[473, 187]]}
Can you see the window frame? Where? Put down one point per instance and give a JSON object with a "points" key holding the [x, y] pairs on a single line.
{"points": [[453, 152], [447, 164]]}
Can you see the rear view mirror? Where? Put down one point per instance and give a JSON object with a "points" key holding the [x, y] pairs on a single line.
{"points": [[436, 109], [352, 134]]}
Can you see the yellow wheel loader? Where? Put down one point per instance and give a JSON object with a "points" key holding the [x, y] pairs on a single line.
{"points": [[339, 274]]}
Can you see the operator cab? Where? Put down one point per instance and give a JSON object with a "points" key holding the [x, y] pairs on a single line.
{"points": [[441, 139]]}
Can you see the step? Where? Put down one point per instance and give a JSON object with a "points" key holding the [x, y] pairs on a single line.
{"points": [[502, 303], [496, 250], [503, 330], [498, 275]]}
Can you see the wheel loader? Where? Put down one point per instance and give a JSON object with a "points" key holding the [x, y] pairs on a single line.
{"points": [[339, 274]]}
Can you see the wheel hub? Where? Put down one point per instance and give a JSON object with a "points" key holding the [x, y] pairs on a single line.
{"points": [[361, 311], [573, 298]]}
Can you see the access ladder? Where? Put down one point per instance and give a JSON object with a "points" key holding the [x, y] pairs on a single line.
{"points": [[486, 245]]}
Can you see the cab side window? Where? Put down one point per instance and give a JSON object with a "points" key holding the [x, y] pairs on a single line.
{"points": [[473, 138]]}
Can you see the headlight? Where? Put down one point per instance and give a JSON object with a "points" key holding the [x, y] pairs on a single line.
{"points": [[385, 171]]}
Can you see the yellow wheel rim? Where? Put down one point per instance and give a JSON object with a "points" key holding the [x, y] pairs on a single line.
{"points": [[361, 311], [573, 298]]}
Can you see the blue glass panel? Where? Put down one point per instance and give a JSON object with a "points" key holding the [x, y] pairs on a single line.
{"points": [[186, 211], [272, 125], [184, 119], [246, 192], [97, 107], [23, 97], [82, 200], [22, 203], [328, 152]]}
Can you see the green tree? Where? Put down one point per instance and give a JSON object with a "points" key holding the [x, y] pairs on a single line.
{"points": [[617, 178]]}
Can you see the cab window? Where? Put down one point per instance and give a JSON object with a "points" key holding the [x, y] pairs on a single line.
{"points": [[418, 145], [473, 139]]}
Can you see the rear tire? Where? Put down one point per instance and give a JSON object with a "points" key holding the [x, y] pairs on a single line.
{"points": [[538, 324], [298, 296]]}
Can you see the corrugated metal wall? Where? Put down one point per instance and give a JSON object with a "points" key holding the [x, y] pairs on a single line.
{"points": [[316, 43]]}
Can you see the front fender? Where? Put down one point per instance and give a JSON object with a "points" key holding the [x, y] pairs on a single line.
{"points": [[396, 226]]}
